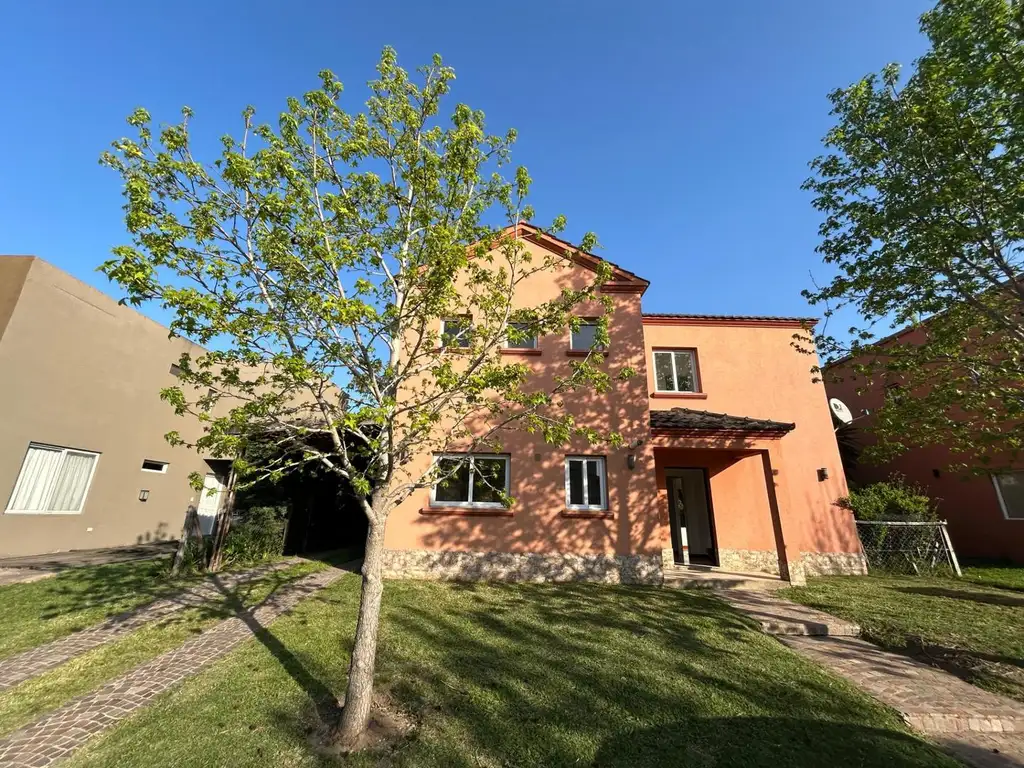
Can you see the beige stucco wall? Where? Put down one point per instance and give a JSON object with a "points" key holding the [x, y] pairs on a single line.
{"points": [[78, 370]]}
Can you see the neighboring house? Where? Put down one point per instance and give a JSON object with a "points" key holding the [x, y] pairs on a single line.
{"points": [[729, 459], [985, 511], [83, 459]]}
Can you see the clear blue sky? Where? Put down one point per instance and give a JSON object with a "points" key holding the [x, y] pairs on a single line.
{"points": [[678, 131]]}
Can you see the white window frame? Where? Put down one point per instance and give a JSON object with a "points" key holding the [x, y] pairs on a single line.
{"points": [[64, 452], [163, 466], [572, 334], [675, 374], [536, 341], [999, 495], [471, 460], [467, 320], [603, 469]]}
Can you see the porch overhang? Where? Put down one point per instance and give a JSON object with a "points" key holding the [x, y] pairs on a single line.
{"points": [[687, 422]]}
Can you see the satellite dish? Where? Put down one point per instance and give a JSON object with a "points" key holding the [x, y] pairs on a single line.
{"points": [[840, 412]]}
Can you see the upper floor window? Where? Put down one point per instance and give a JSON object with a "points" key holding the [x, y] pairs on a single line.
{"points": [[53, 480], [455, 332], [519, 336], [1010, 490], [585, 336], [675, 370], [585, 483], [470, 480]]}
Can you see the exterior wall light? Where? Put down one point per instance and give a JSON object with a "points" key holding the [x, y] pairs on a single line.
{"points": [[143, 495]]}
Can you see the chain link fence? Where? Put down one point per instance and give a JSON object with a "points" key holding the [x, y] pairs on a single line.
{"points": [[904, 547]]}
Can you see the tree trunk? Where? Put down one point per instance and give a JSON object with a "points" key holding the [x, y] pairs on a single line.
{"points": [[188, 532], [359, 693], [223, 524]]}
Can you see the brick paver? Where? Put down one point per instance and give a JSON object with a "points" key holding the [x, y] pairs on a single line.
{"points": [[982, 729], [26, 665], [59, 733]]}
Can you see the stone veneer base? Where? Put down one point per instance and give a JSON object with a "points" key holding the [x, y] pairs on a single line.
{"points": [[749, 561], [834, 563], [514, 566]]}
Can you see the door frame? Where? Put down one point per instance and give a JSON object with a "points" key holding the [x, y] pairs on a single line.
{"points": [[674, 527]]}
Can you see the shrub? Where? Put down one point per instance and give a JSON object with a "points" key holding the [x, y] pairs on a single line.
{"points": [[256, 536], [894, 499]]}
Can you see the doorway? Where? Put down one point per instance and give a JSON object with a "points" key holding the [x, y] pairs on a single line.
{"points": [[690, 517], [214, 487]]}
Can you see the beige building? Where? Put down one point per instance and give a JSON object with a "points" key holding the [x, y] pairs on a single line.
{"points": [[83, 459]]}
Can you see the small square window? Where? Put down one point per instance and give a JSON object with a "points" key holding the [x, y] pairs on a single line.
{"points": [[586, 484], [149, 465], [585, 336], [675, 370], [520, 337], [175, 370], [455, 332], [1010, 490]]}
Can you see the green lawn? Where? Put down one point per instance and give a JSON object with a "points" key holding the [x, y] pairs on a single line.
{"points": [[523, 675], [973, 627], [29, 700]]}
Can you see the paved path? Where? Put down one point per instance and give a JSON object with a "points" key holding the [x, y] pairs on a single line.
{"points": [[58, 734], [981, 728], [16, 570], [26, 665]]}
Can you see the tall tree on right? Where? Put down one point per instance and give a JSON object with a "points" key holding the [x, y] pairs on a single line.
{"points": [[922, 191]]}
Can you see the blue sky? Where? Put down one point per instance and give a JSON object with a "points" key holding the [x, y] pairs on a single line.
{"points": [[678, 131]]}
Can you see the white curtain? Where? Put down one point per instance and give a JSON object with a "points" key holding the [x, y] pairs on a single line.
{"points": [[52, 480], [72, 482]]}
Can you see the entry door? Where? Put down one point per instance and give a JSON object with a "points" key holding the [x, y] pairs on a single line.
{"points": [[209, 503], [690, 514]]}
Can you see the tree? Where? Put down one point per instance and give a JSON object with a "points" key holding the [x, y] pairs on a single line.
{"points": [[315, 261], [922, 189]]}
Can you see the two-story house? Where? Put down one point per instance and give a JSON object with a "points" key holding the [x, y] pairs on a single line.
{"points": [[729, 459]]}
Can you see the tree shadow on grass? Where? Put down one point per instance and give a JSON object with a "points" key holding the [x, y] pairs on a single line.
{"points": [[759, 742], [957, 594]]}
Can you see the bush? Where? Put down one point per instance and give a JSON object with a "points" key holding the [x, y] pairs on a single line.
{"points": [[258, 535], [894, 499]]}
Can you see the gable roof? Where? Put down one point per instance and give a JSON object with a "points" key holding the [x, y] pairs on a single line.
{"points": [[690, 421], [622, 279]]}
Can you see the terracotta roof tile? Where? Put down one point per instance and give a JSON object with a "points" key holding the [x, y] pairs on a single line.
{"points": [[690, 420]]}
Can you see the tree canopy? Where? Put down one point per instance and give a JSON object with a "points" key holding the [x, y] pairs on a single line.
{"points": [[922, 191]]}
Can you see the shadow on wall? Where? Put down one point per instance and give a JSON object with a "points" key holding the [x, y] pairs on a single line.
{"points": [[159, 535], [538, 470]]}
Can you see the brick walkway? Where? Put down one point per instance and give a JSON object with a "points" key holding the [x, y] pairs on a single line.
{"points": [[23, 666], [980, 728], [61, 732]]}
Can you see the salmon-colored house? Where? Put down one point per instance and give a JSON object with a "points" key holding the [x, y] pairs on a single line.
{"points": [[729, 460]]}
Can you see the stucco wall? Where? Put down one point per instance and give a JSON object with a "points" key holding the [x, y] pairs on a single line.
{"points": [[752, 369], [79, 371], [537, 472]]}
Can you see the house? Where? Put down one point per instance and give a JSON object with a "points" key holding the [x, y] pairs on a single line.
{"points": [[729, 457], [985, 512], [83, 459]]}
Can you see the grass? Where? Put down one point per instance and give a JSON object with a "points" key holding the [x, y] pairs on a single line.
{"points": [[970, 627], [27, 701], [522, 675]]}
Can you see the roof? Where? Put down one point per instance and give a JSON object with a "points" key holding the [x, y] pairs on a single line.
{"points": [[683, 319], [688, 420], [622, 277]]}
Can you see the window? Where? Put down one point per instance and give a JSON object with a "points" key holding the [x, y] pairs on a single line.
{"points": [[52, 480], [586, 335], [175, 370], [675, 370], [1010, 490], [520, 337], [585, 483], [465, 480], [455, 332], [148, 465]]}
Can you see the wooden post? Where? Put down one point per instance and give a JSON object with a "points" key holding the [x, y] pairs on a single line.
{"points": [[191, 530], [222, 524]]}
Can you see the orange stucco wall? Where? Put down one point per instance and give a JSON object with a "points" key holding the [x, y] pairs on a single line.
{"points": [[754, 370], [537, 471], [977, 526]]}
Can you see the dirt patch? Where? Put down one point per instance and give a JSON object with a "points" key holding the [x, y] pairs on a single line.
{"points": [[389, 724]]}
